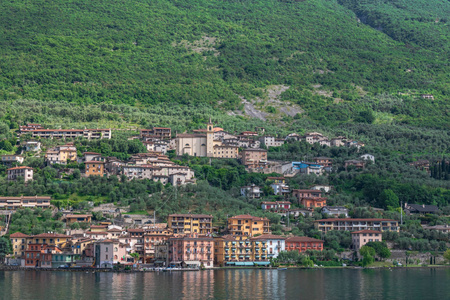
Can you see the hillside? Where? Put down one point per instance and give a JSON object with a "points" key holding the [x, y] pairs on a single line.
{"points": [[146, 53]]}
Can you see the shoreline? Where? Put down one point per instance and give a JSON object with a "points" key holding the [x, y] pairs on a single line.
{"points": [[108, 270]]}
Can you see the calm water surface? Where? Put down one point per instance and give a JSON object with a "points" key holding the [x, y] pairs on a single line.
{"points": [[230, 284]]}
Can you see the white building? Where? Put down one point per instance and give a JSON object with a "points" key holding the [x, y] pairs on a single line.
{"points": [[274, 244], [251, 191], [25, 172], [368, 157], [325, 188], [271, 141]]}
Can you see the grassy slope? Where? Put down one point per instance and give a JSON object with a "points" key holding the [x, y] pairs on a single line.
{"points": [[129, 51]]}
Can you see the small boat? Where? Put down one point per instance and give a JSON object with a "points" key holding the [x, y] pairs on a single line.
{"points": [[281, 269]]}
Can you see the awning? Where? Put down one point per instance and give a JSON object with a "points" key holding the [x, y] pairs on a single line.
{"points": [[240, 264], [227, 256], [230, 263], [248, 263], [262, 263], [159, 262], [192, 262]]}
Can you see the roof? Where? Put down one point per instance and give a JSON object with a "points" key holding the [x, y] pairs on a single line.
{"points": [[51, 235], [354, 220], [96, 233], [306, 191], [366, 231], [424, 208], [190, 135], [19, 235], [253, 149], [191, 215], [302, 239], [249, 217], [136, 230], [78, 216], [94, 162], [114, 230], [95, 153], [268, 237], [20, 168]]}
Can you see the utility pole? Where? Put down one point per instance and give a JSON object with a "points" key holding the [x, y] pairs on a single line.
{"points": [[401, 212]]}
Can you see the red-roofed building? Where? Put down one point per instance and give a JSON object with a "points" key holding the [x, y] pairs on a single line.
{"points": [[19, 243], [25, 172]]}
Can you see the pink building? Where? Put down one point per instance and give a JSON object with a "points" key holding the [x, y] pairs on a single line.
{"points": [[362, 237], [191, 251]]}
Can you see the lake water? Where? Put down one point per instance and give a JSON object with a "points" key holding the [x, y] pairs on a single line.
{"points": [[426, 283]]}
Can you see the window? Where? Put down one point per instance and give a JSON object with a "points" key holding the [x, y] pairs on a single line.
{"points": [[106, 256]]}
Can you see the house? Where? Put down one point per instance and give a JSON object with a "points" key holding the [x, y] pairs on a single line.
{"points": [[161, 256], [61, 154], [271, 141], [94, 168], [335, 211], [323, 161], [152, 238], [190, 223], [323, 188], [278, 205], [13, 203], [362, 237], [357, 164], [314, 137], [159, 132], [19, 242], [313, 202], [440, 228], [192, 251], [303, 243], [39, 255], [90, 156], [280, 189], [349, 224], [32, 146], [10, 160], [308, 168], [254, 158], [226, 151], [70, 219], [293, 137], [251, 192], [368, 156], [16, 172], [104, 253], [29, 127], [276, 179], [274, 244], [248, 226], [64, 259], [421, 209], [299, 194], [337, 142], [421, 164], [249, 133], [427, 96]]}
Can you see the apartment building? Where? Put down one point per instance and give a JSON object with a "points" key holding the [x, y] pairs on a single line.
{"points": [[248, 226], [303, 243], [349, 224], [191, 251], [61, 154], [362, 237], [235, 251], [158, 132], [13, 203], [190, 223], [271, 141], [70, 133], [254, 158], [10, 160]]}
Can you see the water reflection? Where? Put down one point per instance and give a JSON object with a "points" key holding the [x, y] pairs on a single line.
{"points": [[229, 284]]}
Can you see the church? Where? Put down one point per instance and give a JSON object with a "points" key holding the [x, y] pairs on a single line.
{"points": [[204, 144]]}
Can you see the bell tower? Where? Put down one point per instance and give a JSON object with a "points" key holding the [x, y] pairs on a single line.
{"points": [[210, 139]]}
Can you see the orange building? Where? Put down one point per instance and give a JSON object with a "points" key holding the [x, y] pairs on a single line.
{"points": [[312, 202], [95, 168]]}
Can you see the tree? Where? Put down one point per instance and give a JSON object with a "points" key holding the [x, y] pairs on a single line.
{"points": [[389, 199], [135, 256], [380, 248], [5, 247], [368, 253], [447, 255]]}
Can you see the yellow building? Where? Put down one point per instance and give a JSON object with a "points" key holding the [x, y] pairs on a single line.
{"points": [[19, 244], [248, 226], [61, 154], [95, 168], [189, 223], [239, 251]]}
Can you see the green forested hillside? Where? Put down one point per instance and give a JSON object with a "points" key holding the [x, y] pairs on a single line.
{"points": [[146, 52]]}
